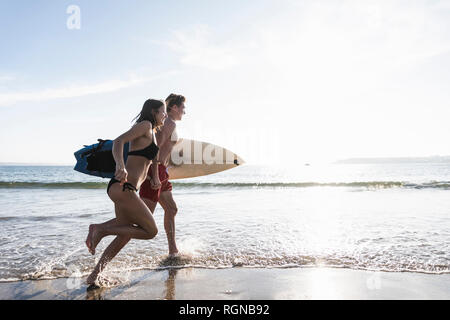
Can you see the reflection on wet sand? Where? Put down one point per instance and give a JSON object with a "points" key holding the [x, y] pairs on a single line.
{"points": [[170, 284], [241, 283], [95, 293], [179, 260], [171, 265]]}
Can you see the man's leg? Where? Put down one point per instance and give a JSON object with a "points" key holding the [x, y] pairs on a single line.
{"points": [[148, 195], [170, 210]]}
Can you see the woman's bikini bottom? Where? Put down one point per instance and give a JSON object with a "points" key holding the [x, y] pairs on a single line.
{"points": [[126, 185]]}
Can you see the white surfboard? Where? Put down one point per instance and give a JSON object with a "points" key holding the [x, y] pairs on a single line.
{"points": [[191, 158]]}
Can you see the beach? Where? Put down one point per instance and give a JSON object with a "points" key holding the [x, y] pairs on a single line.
{"points": [[242, 284], [327, 119], [254, 232]]}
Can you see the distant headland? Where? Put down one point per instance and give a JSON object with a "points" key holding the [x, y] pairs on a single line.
{"points": [[431, 159]]}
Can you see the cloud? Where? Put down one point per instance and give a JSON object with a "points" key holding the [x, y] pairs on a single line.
{"points": [[78, 90], [321, 41], [196, 48], [389, 33]]}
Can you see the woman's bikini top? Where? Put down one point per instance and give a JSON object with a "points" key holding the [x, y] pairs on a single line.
{"points": [[149, 152]]}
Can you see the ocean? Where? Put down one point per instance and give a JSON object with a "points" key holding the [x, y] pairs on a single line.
{"points": [[392, 217]]}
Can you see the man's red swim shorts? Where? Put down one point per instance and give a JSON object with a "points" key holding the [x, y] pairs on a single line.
{"points": [[146, 190]]}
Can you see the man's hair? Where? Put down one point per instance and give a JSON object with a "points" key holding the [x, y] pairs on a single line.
{"points": [[174, 100]]}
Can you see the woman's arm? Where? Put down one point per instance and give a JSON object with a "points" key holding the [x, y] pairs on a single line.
{"points": [[140, 129]]}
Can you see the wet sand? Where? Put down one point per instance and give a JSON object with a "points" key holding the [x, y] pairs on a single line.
{"points": [[242, 283]]}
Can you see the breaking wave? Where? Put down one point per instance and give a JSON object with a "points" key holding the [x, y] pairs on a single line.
{"points": [[236, 185]]}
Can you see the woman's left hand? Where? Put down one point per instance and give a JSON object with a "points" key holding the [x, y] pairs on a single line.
{"points": [[121, 174]]}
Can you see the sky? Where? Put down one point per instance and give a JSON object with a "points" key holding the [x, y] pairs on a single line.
{"points": [[276, 82]]}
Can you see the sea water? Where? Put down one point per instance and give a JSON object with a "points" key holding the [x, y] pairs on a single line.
{"points": [[385, 217]]}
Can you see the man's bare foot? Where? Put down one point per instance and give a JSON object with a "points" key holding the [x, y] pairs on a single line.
{"points": [[93, 238], [173, 250]]}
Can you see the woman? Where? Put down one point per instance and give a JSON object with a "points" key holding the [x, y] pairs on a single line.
{"points": [[133, 218]]}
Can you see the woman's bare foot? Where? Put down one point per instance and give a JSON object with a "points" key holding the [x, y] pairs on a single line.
{"points": [[93, 238], [91, 278]]}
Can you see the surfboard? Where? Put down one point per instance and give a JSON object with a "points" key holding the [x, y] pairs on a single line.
{"points": [[192, 158], [188, 159]]}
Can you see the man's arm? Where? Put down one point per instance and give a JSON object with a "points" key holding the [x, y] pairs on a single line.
{"points": [[164, 135]]}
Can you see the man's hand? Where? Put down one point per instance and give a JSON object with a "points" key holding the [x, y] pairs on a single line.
{"points": [[155, 183]]}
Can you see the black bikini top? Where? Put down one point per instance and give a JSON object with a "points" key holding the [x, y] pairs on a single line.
{"points": [[149, 152]]}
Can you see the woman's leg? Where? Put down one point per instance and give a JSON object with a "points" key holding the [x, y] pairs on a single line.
{"points": [[113, 221], [150, 204], [139, 221], [111, 251], [115, 246]]}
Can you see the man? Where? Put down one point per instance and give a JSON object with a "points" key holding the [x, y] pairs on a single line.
{"points": [[166, 138]]}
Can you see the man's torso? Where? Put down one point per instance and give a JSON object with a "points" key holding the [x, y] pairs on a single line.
{"points": [[166, 148]]}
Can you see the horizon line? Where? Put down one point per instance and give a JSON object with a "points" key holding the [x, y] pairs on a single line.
{"points": [[11, 163]]}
